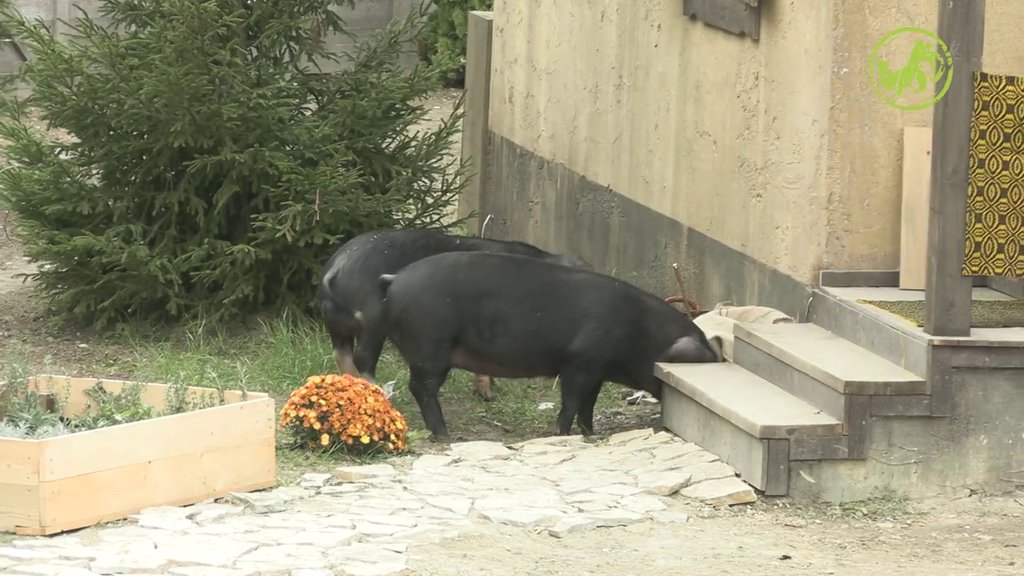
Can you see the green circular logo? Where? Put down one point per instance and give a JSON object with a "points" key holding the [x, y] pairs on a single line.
{"points": [[911, 68]]}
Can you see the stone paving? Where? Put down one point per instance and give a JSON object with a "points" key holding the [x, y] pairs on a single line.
{"points": [[361, 520]]}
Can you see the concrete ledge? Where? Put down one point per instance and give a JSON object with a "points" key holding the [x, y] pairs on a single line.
{"points": [[1010, 286], [901, 405], [831, 359], [864, 329], [747, 401], [822, 448], [793, 381], [858, 278], [979, 446]]}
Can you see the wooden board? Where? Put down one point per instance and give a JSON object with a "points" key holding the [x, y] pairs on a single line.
{"points": [[19, 505], [77, 480], [947, 301], [917, 181], [154, 439], [70, 392], [19, 462], [118, 492]]}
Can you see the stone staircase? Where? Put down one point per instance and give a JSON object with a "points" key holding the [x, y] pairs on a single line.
{"points": [[795, 392]]}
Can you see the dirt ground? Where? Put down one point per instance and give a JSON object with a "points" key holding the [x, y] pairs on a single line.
{"points": [[770, 538], [971, 535]]}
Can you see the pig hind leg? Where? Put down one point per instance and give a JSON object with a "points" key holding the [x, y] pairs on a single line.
{"points": [[482, 386], [425, 382], [585, 416]]}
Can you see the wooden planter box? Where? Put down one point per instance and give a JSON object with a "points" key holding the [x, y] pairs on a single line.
{"points": [[77, 480]]}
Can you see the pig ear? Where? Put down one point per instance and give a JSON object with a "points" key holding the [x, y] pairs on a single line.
{"points": [[690, 349]]}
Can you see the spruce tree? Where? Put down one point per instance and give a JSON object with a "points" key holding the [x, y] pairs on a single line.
{"points": [[217, 154]]}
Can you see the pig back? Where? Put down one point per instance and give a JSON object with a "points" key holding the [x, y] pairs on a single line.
{"points": [[529, 298]]}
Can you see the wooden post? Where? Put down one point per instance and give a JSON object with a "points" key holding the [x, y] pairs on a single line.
{"points": [[947, 299], [477, 107]]}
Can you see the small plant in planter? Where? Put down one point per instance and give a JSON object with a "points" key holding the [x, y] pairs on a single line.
{"points": [[27, 414], [339, 411]]}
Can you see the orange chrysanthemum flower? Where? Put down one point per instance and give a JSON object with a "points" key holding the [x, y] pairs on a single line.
{"points": [[340, 410]]}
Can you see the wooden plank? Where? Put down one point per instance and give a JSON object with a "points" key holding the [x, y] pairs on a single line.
{"points": [[156, 439], [475, 123], [70, 392], [118, 492], [19, 506], [170, 460], [947, 300], [917, 178], [777, 468], [19, 462]]}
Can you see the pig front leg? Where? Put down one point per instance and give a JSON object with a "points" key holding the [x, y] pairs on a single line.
{"points": [[579, 388], [368, 349]]}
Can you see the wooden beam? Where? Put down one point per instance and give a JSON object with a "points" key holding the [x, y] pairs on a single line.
{"points": [[947, 301], [477, 113]]}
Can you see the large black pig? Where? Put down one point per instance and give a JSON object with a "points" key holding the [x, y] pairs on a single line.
{"points": [[350, 299], [515, 317]]}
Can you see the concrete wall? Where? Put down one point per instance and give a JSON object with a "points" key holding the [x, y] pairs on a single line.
{"points": [[365, 18], [776, 151]]}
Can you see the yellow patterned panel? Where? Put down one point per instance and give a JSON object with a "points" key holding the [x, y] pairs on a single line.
{"points": [[995, 189]]}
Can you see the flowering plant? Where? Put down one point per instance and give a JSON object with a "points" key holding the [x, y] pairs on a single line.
{"points": [[340, 410]]}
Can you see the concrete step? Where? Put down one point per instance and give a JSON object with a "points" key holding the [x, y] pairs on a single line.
{"points": [[856, 324], [748, 401], [830, 359], [748, 422]]}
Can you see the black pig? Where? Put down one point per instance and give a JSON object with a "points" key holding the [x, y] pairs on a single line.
{"points": [[350, 301], [515, 317]]}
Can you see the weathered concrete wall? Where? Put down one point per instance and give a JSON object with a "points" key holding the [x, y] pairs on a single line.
{"points": [[776, 149], [865, 137], [981, 446], [364, 19]]}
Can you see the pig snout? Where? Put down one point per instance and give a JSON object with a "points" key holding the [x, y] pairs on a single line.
{"points": [[690, 349]]}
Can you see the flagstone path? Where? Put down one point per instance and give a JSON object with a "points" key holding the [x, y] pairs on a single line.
{"points": [[361, 520]]}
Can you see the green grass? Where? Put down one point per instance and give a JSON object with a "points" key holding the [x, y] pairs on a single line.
{"points": [[277, 355], [280, 354]]}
